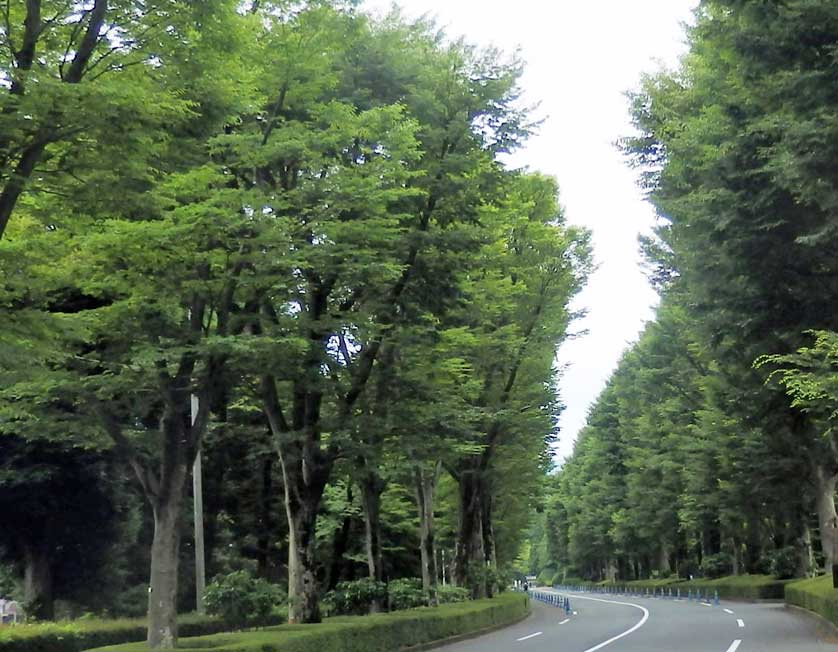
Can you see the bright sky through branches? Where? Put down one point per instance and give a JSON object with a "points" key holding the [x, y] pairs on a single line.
{"points": [[581, 57]]}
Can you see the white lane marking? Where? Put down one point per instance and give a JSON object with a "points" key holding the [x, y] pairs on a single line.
{"points": [[565, 621], [524, 638], [625, 633], [704, 604], [734, 646], [728, 611], [740, 622]]}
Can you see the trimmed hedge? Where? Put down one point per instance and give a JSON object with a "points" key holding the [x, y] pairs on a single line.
{"points": [[734, 587], [378, 633], [816, 595], [78, 635]]}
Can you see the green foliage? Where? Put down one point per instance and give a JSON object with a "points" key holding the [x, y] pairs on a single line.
{"points": [[715, 566], [356, 597], [241, 600], [377, 633], [784, 562], [309, 228], [446, 593], [84, 634], [406, 593]]}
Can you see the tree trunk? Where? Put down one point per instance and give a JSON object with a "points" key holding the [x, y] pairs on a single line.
{"points": [[488, 537], [806, 555], [663, 560], [470, 555], [163, 585], [372, 487], [825, 481], [263, 544], [302, 585], [425, 487], [302, 500], [37, 582]]}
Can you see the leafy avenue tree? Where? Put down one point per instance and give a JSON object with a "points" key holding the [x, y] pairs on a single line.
{"points": [[308, 233]]}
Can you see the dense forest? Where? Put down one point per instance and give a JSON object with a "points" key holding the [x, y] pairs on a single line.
{"points": [[712, 450], [281, 234]]}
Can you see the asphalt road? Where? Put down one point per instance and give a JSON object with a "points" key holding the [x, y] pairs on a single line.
{"points": [[630, 624]]}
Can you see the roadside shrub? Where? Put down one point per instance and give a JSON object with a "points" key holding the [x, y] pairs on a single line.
{"points": [[78, 635], [816, 595], [406, 593], [355, 598], [241, 600], [389, 632], [783, 563], [446, 593], [717, 565]]}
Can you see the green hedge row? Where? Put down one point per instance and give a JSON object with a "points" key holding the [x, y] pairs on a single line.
{"points": [[78, 635], [816, 595], [734, 587], [378, 633]]}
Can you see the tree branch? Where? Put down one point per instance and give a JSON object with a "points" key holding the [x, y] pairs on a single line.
{"points": [[127, 451], [88, 42]]}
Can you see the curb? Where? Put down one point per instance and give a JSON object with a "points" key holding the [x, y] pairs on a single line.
{"points": [[469, 635], [831, 630]]}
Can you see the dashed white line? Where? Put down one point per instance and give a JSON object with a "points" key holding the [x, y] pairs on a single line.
{"points": [[740, 622], [565, 621], [734, 646], [704, 604], [524, 638], [728, 611]]}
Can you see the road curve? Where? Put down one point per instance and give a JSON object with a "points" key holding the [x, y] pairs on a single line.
{"points": [[632, 624]]}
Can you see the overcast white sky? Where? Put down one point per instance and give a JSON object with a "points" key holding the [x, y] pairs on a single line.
{"points": [[582, 55]]}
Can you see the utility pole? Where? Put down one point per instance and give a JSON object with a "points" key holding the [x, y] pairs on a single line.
{"points": [[198, 503]]}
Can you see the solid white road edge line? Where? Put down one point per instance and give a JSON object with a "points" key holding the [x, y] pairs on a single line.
{"points": [[728, 611], [524, 638], [625, 633], [566, 620], [740, 622], [734, 646]]}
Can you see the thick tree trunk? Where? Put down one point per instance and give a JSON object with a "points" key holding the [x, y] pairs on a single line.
{"points": [[37, 582], [825, 481], [470, 555], [424, 488], [302, 584], [663, 560], [488, 537], [163, 584], [305, 471], [805, 560]]}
